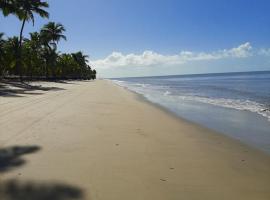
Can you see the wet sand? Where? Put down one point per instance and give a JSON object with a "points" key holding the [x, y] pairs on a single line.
{"points": [[96, 140]]}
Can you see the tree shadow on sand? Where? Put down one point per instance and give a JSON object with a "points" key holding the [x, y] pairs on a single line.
{"points": [[17, 89], [16, 190], [11, 159]]}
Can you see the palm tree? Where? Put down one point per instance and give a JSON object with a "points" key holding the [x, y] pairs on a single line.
{"points": [[12, 51], [33, 50], [24, 10], [38, 56], [94, 74], [53, 33], [81, 60]]}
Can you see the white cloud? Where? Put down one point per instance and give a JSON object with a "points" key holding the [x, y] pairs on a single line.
{"points": [[241, 51], [264, 52], [151, 58]]}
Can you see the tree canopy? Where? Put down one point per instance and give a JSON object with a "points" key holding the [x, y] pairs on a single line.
{"points": [[37, 56]]}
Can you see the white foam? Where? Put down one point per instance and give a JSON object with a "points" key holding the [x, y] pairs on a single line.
{"points": [[167, 93], [121, 83], [237, 104], [160, 94]]}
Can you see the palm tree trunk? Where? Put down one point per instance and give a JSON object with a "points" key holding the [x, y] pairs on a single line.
{"points": [[47, 68], [47, 60], [20, 50], [21, 33]]}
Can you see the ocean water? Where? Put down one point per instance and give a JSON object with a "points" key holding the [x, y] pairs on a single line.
{"points": [[235, 104]]}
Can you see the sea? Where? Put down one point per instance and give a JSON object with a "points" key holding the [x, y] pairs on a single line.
{"points": [[234, 104]]}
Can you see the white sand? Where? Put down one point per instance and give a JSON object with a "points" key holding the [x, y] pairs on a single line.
{"points": [[99, 142]]}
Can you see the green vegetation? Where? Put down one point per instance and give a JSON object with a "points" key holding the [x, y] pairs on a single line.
{"points": [[36, 57]]}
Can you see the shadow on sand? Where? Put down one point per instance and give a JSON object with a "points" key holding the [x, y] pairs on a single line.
{"points": [[16, 190], [17, 89], [11, 159]]}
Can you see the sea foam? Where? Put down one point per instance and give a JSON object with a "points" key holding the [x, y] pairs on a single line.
{"points": [[156, 94]]}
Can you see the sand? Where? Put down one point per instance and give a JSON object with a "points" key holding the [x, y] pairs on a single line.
{"points": [[98, 141]]}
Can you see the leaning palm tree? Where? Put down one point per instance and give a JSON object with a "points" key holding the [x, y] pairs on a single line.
{"points": [[24, 10]]}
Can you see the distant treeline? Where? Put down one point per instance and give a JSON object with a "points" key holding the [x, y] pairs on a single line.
{"points": [[37, 57]]}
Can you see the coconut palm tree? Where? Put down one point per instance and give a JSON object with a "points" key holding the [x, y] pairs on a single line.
{"points": [[38, 56], [94, 74], [53, 33], [33, 48], [24, 10], [12, 51], [81, 61], [80, 58]]}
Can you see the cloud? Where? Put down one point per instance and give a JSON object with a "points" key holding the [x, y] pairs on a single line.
{"points": [[264, 52], [151, 58]]}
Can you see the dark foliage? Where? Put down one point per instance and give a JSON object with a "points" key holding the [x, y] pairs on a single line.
{"points": [[37, 57]]}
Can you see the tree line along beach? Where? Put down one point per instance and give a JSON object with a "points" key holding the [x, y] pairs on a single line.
{"points": [[66, 135]]}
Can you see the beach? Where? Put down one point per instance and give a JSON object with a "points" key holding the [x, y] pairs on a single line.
{"points": [[235, 104], [95, 140]]}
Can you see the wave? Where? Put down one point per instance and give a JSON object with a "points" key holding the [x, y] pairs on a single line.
{"points": [[160, 95], [237, 104]]}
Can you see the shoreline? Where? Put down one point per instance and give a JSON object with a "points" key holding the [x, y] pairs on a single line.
{"points": [[233, 132], [113, 144], [181, 119]]}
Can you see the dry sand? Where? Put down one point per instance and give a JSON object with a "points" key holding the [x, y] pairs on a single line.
{"points": [[98, 141]]}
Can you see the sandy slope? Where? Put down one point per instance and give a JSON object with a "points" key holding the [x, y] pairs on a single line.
{"points": [[95, 140]]}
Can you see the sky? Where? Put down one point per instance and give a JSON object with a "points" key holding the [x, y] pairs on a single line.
{"points": [[161, 37]]}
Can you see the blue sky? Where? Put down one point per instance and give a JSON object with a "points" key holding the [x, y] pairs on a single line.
{"points": [[158, 37]]}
